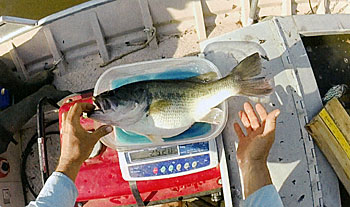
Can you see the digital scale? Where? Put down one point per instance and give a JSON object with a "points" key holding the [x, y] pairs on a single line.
{"points": [[168, 161]]}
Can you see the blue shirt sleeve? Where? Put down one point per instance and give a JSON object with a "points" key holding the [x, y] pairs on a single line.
{"points": [[266, 196], [59, 191]]}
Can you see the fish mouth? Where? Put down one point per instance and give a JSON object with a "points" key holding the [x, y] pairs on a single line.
{"points": [[96, 102]]}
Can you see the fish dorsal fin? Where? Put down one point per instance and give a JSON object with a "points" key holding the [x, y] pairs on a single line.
{"points": [[204, 78]]}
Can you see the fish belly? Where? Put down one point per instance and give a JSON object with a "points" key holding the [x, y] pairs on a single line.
{"points": [[176, 115], [147, 126]]}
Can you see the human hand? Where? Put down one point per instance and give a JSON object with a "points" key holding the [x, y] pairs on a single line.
{"points": [[77, 143], [255, 146]]}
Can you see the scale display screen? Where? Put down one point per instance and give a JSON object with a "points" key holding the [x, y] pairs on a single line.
{"points": [[158, 152]]}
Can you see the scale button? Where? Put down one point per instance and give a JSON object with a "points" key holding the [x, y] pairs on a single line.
{"points": [[155, 170], [187, 165], [178, 167], [194, 164], [171, 168], [163, 169]]}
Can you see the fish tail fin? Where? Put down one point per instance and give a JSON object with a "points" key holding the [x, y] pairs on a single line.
{"points": [[243, 74], [255, 87], [247, 68]]}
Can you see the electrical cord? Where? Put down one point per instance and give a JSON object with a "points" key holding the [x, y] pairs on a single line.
{"points": [[151, 30], [25, 154], [312, 11]]}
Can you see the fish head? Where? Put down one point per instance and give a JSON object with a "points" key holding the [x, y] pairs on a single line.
{"points": [[117, 110]]}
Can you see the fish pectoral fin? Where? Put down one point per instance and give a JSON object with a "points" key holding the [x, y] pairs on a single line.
{"points": [[155, 139], [215, 116], [204, 78], [158, 106]]}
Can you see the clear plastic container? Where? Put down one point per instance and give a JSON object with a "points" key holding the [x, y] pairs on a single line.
{"points": [[180, 68]]}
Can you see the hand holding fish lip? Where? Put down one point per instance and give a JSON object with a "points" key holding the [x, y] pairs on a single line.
{"points": [[77, 143], [255, 146]]}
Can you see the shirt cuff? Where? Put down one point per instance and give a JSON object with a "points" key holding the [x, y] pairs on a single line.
{"points": [[59, 190], [266, 196], [65, 180]]}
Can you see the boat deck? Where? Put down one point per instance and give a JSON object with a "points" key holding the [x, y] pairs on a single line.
{"points": [[108, 29]]}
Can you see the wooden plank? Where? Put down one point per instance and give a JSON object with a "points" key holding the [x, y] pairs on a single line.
{"points": [[147, 21], [56, 53], [340, 117], [18, 62], [100, 40], [334, 153], [199, 20], [327, 119], [286, 7]]}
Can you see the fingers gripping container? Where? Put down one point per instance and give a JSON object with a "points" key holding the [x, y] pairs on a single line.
{"points": [[180, 68]]}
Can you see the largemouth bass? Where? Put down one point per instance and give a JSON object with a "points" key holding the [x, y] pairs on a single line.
{"points": [[165, 108]]}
